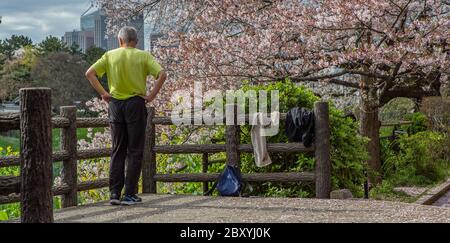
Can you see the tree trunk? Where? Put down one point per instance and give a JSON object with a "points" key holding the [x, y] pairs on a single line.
{"points": [[36, 154], [370, 127], [322, 150]]}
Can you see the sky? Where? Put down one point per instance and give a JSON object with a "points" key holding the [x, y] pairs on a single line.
{"points": [[40, 18]]}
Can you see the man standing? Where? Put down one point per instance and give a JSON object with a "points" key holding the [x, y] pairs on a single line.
{"points": [[127, 69]]}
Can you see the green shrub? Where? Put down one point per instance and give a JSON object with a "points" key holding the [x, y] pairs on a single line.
{"points": [[3, 216], [423, 158], [419, 122]]}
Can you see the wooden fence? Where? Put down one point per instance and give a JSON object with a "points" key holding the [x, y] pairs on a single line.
{"points": [[34, 188]]}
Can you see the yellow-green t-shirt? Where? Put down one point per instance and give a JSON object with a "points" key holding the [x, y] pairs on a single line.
{"points": [[127, 70]]}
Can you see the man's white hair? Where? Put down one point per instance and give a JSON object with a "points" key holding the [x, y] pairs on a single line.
{"points": [[128, 34]]}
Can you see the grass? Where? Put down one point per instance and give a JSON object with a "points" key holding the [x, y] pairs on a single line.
{"points": [[6, 141]]}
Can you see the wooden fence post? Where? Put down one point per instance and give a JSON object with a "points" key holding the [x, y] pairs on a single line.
{"points": [[69, 166], [36, 155], [149, 162], [322, 150], [232, 137], [205, 165]]}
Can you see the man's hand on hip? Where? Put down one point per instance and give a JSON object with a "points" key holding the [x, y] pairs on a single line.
{"points": [[159, 82], [91, 75], [106, 97], [148, 99]]}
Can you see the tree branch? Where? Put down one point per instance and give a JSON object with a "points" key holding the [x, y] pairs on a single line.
{"points": [[406, 92]]}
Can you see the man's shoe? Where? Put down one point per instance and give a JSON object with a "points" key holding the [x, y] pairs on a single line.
{"points": [[114, 199], [131, 200]]}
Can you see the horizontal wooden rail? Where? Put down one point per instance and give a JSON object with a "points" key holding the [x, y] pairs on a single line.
{"points": [[278, 147], [257, 177], [217, 148], [167, 120], [93, 153], [92, 122], [11, 121], [60, 122], [13, 198], [189, 148], [104, 122], [61, 189], [9, 184], [91, 185], [60, 155], [8, 161]]}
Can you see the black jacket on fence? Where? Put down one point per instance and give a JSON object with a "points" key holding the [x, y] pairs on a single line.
{"points": [[299, 126]]}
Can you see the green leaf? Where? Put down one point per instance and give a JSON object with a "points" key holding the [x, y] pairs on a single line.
{"points": [[3, 215]]}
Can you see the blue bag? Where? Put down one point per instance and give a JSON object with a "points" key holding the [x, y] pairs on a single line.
{"points": [[229, 183]]}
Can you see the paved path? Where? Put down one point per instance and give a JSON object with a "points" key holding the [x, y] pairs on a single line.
{"points": [[180, 209]]}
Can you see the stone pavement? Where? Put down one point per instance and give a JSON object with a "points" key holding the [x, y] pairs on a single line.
{"points": [[191, 209]]}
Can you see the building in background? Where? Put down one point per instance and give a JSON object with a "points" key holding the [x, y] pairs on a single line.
{"points": [[95, 22], [71, 38], [83, 39], [94, 32]]}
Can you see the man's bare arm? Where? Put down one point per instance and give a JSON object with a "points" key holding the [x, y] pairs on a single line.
{"points": [[91, 75], [158, 84]]}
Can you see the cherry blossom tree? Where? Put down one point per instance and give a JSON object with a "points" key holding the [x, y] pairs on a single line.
{"points": [[383, 48]]}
